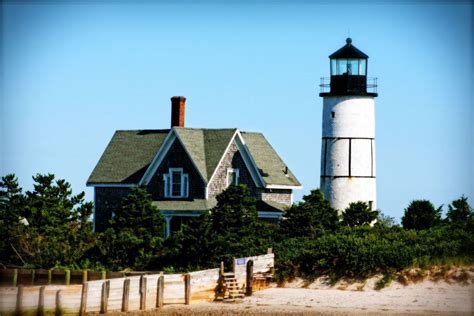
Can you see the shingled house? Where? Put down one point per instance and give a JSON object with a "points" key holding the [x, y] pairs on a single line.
{"points": [[184, 169]]}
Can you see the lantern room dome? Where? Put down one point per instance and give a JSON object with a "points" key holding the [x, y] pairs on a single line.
{"points": [[348, 51]]}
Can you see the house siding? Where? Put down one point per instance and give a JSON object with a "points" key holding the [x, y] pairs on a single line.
{"points": [[276, 195], [232, 159], [176, 158], [107, 200]]}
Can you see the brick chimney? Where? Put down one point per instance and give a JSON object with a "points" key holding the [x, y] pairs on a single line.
{"points": [[177, 111]]}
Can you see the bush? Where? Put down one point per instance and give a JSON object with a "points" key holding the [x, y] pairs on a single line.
{"points": [[362, 252]]}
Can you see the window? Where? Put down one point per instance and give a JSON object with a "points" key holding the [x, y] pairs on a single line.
{"points": [[371, 204], [362, 67], [354, 67], [232, 176], [341, 66], [176, 183], [333, 114]]}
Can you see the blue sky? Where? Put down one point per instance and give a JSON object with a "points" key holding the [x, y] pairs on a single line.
{"points": [[73, 73]]}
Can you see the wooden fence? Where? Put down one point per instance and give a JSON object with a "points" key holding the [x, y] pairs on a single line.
{"points": [[132, 293], [16, 277], [261, 264]]}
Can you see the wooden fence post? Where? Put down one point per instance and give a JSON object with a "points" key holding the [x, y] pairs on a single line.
{"points": [[103, 275], [187, 288], [105, 297], [126, 294], [59, 304], [221, 270], [160, 291], [67, 277], [50, 276], [19, 300], [84, 276], [82, 310], [142, 293], [41, 301], [33, 273], [15, 277], [249, 280]]}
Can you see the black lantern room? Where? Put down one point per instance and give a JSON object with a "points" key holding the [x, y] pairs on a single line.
{"points": [[349, 73]]}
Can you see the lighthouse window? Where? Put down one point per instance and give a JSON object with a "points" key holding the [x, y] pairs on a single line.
{"points": [[333, 67], [333, 115], [353, 67], [341, 66], [362, 67]]}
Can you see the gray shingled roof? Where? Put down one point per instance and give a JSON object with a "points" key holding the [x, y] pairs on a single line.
{"points": [[203, 205], [205, 146], [129, 154], [186, 205], [271, 166]]}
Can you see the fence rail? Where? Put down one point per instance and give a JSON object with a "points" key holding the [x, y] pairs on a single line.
{"points": [[16, 277], [131, 293]]}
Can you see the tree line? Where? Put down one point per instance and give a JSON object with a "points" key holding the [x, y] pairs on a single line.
{"points": [[50, 227]]}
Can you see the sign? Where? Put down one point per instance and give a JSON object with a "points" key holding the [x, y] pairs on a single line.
{"points": [[240, 261]]}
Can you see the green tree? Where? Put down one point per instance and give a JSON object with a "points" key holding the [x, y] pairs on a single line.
{"points": [[234, 225], [189, 248], [358, 214], [421, 214], [135, 235], [59, 230], [312, 217], [235, 211], [48, 226], [230, 229], [460, 213], [12, 222], [385, 220]]}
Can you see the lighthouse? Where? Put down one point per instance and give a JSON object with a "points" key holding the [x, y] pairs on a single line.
{"points": [[348, 133]]}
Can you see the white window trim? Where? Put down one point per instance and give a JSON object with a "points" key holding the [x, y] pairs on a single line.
{"points": [[237, 175], [166, 180], [168, 186], [185, 184]]}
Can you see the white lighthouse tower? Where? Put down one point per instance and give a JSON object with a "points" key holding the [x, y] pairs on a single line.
{"points": [[348, 138]]}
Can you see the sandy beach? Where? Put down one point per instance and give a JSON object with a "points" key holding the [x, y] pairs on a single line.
{"points": [[423, 298]]}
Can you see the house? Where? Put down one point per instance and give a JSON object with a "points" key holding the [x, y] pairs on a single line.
{"points": [[184, 169]]}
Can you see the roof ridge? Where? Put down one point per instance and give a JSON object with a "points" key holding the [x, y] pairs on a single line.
{"points": [[247, 132], [207, 129], [143, 129]]}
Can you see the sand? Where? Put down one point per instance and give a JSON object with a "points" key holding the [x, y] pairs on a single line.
{"points": [[423, 298]]}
